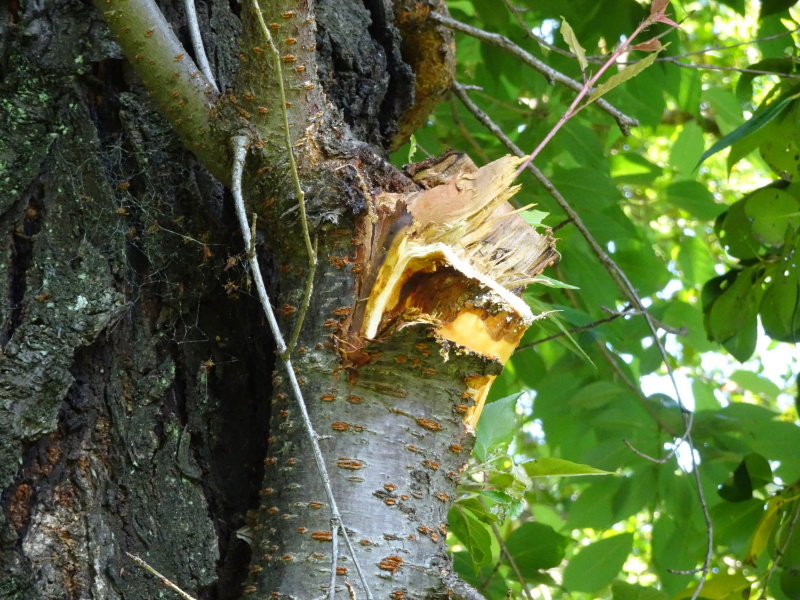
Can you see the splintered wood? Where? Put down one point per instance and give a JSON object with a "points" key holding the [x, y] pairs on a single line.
{"points": [[455, 256]]}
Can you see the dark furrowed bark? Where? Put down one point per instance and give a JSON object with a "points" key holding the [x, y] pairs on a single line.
{"points": [[130, 373], [137, 370]]}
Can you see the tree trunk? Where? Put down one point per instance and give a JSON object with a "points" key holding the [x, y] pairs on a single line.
{"points": [[137, 393]]}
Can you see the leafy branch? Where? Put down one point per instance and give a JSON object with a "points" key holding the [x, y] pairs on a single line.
{"points": [[553, 76], [657, 14], [181, 91]]}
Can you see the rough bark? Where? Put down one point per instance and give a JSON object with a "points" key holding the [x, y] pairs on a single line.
{"points": [[137, 394]]}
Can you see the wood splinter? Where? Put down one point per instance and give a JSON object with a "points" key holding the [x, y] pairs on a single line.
{"points": [[459, 262]]}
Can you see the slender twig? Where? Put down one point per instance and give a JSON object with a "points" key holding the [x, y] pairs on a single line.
{"points": [[163, 579], [587, 88], [301, 203], [707, 67], [599, 58], [623, 121], [731, 46], [240, 152], [619, 277], [614, 316], [197, 43], [312, 271], [515, 12], [626, 287], [509, 557], [312, 258], [335, 525]]}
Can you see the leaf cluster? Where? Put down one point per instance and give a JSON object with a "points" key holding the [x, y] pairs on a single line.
{"points": [[556, 496]]}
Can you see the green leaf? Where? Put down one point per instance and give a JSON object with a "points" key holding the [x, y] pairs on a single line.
{"points": [[780, 150], [725, 108], [622, 590], [464, 6], [675, 546], [596, 505], [760, 119], [695, 199], [583, 144], [574, 45], [550, 467], [790, 583], [790, 558], [780, 306], [766, 526], [629, 72], [685, 150], [496, 427], [721, 586], [534, 217], [772, 212], [696, 261], [758, 384], [736, 233], [703, 393], [734, 524], [751, 474], [633, 168], [473, 535], [597, 564], [535, 546], [730, 318], [770, 7], [553, 283]]}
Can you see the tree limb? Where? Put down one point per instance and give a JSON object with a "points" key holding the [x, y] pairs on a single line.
{"points": [[180, 90], [623, 121]]}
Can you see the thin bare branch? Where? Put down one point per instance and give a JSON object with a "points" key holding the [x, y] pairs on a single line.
{"points": [[240, 152], [624, 122], [707, 67], [143, 564], [730, 46], [287, 133], [197, 43], [515, 12], [509, 557], [335, 526], [287, 137], [613, 317]]}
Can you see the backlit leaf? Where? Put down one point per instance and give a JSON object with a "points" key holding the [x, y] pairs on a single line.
{"points": [[549, 467], [597, 564], [535, 546], [629, 72], [760, 119], [474, 535], [574, 44]]}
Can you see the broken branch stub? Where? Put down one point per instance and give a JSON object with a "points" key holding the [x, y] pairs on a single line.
{"points": [[455, 256]]}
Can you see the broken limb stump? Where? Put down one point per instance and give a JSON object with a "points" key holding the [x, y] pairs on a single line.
{"points": [[395, 381]]}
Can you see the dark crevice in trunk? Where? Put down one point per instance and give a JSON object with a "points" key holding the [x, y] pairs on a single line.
{"points": [[400, 92], [361, 69], [22, 240]]}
